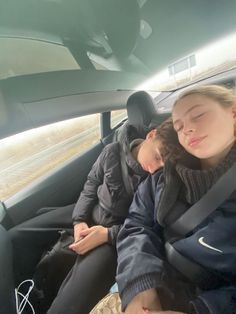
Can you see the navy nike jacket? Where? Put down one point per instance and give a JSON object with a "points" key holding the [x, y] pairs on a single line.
{"points": [[141, 254]]}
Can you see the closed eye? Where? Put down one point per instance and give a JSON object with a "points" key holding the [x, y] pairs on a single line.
{"points": [[178, 128], [198, 116]]}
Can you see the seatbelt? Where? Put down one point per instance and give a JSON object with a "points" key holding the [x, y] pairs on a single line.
{"points": [[196, 214], [125, 175], [193, 271]]}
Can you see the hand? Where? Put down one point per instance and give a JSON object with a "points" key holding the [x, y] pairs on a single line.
{"points": [[146, 299], [77, 230], [92, 237]]}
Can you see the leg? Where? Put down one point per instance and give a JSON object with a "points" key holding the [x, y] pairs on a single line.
{"points": [[89, 280], [32, 237]]}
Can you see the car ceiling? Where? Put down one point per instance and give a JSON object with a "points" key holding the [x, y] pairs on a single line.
{"points": [[107, 28]]}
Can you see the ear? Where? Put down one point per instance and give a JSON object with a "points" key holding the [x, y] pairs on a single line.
{"points": [[151, 134]]}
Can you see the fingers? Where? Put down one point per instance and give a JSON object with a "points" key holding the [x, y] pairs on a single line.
{"points": [[83, 246], [77, 230], [74, 245], [85, 232], [91, 238]]}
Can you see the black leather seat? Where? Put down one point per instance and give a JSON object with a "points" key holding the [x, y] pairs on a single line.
{"points": [[7, 293]]}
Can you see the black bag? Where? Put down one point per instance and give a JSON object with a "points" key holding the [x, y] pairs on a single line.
{"points": [[52, 270]]}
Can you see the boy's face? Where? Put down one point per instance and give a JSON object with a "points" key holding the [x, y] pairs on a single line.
{"points": [[149, 155]]}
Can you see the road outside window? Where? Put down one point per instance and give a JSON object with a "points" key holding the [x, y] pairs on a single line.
{"points": [[117, 116], [28, 156]]}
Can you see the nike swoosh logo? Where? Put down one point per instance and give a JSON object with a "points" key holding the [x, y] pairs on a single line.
{"points": [[200, 240]]}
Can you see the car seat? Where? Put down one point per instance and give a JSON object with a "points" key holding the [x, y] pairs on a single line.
{"points": [[7, 294], [140, 111]]}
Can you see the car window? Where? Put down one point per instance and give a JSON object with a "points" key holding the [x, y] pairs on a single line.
{"points": [[205, 62], [29, 155], [117, 116]]}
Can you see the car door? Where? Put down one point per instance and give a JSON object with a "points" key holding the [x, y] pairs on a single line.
{"points": [[35, 214]]}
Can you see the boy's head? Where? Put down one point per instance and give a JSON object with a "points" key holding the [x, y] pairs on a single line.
{"points": [[158, 146], [148, 153]]}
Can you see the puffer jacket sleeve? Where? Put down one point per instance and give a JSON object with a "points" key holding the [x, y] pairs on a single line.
{"points": [[113, 233], [139, 244], [88, 197]]}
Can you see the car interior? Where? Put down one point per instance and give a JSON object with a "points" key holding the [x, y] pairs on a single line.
{"points": [[29, 99], [24, 213]]}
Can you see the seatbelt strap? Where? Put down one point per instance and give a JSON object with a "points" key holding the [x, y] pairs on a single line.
{"points": [[196, 214], [220, 191], [191, 270], [125, 175]]}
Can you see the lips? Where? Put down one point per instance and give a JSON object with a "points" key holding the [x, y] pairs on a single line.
{"points": [[195, 141]]}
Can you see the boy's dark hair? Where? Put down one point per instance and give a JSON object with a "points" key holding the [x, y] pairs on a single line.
{"points": [[170, 148]]}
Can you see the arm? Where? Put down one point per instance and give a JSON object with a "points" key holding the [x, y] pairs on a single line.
{"points": [[140, 246], [87, 200], [88, 197], [97, 235]]}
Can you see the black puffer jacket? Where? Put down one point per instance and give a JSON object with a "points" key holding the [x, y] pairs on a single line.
{"points": [[104, 199]]}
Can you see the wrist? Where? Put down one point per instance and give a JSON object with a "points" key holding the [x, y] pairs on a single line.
{"points": [[81, 223]]}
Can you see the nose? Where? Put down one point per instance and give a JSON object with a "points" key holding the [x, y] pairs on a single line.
{"points": [[154, 166], [188, 128]]}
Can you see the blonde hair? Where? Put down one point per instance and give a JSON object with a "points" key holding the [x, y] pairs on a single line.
{"points": [[223, 95]]}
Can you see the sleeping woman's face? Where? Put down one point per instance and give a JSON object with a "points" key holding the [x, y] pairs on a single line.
{"points": [[205, 128]]}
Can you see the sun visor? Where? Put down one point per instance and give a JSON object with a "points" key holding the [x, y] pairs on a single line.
{"points": [[13, 118], [34, 100]]}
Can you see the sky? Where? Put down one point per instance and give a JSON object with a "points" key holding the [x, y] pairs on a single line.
{"points": [[206, 57]]}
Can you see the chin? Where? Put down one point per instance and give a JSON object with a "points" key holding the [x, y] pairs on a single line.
{"points": [[200, 154]]}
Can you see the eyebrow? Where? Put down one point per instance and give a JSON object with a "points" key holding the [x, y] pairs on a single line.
{"points": [[189, 110]]}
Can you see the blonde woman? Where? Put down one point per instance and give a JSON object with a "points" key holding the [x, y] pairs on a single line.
{"points": [[204, 120]]}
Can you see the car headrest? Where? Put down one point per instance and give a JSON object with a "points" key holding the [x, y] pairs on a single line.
{"points": [[158, 119], [140, 109]]}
